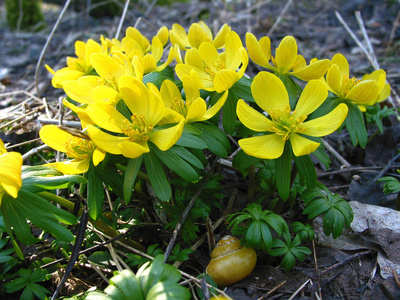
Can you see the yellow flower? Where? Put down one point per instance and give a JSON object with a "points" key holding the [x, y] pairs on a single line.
{"points": [[197, 34], [147, 108], [211, 70], [193, 108], [367, 91], [10, 172], [135, 44], [286, 60], [76, 145], [282, 124], [77, 66]]}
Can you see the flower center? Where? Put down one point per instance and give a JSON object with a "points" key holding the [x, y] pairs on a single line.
{"points": [[181, 106], [138, 130], [286, 122], [79, 148], [212, 69], [348, 83]]}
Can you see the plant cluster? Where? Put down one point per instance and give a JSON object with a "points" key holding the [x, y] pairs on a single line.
{"points": [[155, 112]]}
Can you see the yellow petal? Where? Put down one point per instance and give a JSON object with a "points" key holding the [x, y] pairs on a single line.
{"points": [[245, 61], [209, 55], [251, 118], [196, 110], [2, 148], [207, 31], [133, 150], [341, 61], [232, 46], [256, 53], [63, 75], [269, 92], [170, 117], [191, 89], [171, 55], [286, 54], [196, 35], [54, 137], [265, 146], [301, 145], [166, 138], [193, 58], [170, 92], [105, 95], [334, 79], [163, 35], [364, 92], [98, 156], [10, 173], [155, 106], [224, 79], [219, 40], [311, 98], [106, 117], [72, 167], [177, 54], [149, 64], [178, 36], [213, 110], [106, 142], [313, 71], [156, 48], [326, 124], [135, 94]]}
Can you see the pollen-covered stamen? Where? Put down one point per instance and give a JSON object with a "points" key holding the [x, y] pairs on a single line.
{"points": [[79, 148], [348, 83], [179, 105], [211, 70], [286, 122], [138, 130]]}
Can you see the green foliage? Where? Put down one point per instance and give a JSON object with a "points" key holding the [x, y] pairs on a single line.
{"points": [[337, 212], [256, 224], [375, 114], [32, 16], [135, 260], [291, 250], [305, 231], [27, 280], [391, 185], [154, 280]]}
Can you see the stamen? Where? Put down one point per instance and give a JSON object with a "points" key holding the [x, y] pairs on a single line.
{"points": [[138, 130], [286, 122], [79, 148]]}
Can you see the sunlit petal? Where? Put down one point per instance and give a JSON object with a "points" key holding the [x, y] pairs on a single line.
{"points": [[313, 71], [166, 138], [334, 80], [269, 92], [213, 110], [341, 61], [104, 141], [286, 54], [72, 167], [133, 150], [311, 98], [194, 58], [98, 156], [219, 40], [54, 137], [224, 79], [364, 92], [326, 124], [105, 95], [301, 145], [196, 110], [251, 118], [170, 92], [257, 54], [232, 46], [106, 117], [265, 146], [10, 173], [196, 35], [209, 54]]}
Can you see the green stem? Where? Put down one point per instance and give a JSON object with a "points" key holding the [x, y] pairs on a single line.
{"points": [[100, 224]]}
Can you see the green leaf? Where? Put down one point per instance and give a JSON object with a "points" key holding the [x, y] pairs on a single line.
{"points": [[156, 78], [322, 156], [157, 176], [176, 163], [35, 184], [282, 172], [41, 213], [292, 88], [355, 125], [229, 113], [215, 139], [108, 173], [306, 170], [168, 290], [123, 286], [242, 89], [242, 161], [41, 170], [132, 169], [187, 156], [95, 193], [191, 141]]}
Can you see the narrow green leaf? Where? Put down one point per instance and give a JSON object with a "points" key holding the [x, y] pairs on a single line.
{"points": [[306, 170], [292, 88], [216, 140], [131, 172], [242, 161], [188, 156], [242, 89], [282, 172], [191, 141], [95, 193], [229, 113], [156, 78], [356, 126], [110, 176], [157, 176], [36, 184]]}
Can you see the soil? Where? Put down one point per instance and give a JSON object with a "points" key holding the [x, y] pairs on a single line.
{"points": [[319, 33]]}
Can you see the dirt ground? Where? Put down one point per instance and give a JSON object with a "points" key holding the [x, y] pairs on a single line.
{"points": [[319, 33]]}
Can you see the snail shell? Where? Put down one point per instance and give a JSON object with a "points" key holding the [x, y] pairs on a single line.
{"points": [[231, 261]]}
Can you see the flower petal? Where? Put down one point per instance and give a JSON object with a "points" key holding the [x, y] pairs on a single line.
{"points": [[219, 40], [170, 92], [166, 138], [194, 58], [311, 98], [106, 117], [178, 36], [209, 55], [196, 110], [334, 79], [104, 141], [72, 167], [232, 46], [341, 61], [326, 124], [105, 95], [286, 54], [213, 110], [133, 150], [98, 156], [196, 35], [10, 173], [364, 92], [225, 79], [135, 94], [266, 146], [256, 53], [251, 118], [301, 145], [54, 137], [313, 71], [269, 92]]}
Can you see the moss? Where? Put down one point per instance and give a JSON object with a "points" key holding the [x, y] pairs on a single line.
{"points": [[32, 16]]}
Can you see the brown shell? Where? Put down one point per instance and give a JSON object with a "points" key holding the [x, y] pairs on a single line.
{"points": [[231, 262]]}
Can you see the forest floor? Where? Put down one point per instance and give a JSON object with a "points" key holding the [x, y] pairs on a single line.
{"points": [[333, 271]]}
